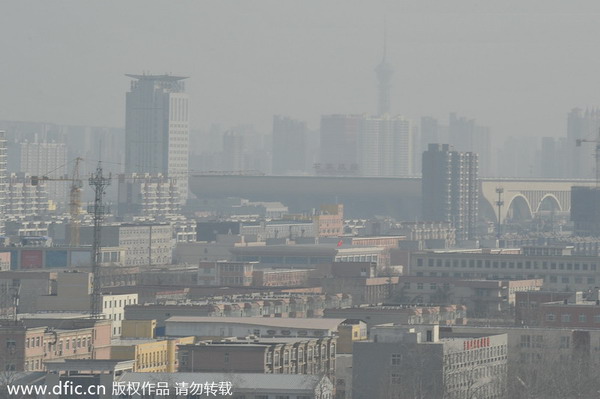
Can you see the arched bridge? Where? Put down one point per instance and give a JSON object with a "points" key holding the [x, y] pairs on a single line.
{"points": [[526, 196]]}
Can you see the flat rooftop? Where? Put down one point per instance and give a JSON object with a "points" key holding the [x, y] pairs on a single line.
{"points": [[280, 322]]}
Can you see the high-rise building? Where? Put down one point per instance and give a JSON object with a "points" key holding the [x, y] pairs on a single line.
{"points": [[233, 151], [582, 125], [150, 195], [2, 180], [366, 146], [466, 136], [450, 188], [289, 146], [47, 159], [385, 146], [585, 210], [339, 139], [157, 128]]}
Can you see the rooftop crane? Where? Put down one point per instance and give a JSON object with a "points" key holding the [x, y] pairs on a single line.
{"points": [[596, 154], [74, 198]]}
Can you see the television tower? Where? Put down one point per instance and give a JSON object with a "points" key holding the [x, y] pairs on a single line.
{"points": [[384, 73]]}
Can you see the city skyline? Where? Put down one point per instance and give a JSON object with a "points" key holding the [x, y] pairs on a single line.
{"points": [[432, 49]]}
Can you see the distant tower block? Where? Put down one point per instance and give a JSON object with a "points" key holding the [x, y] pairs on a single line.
{"points": [[384, 73]]}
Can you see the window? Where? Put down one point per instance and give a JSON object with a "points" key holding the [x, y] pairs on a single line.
{"points": [[597, 318], [565, 342], [582, 318], [550, 317], [396, 359], [395, 379], [525, 341], [565, 318], [419, 286]]}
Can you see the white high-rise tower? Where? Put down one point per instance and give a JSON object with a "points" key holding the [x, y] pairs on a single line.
{"points": [[157, 128]]}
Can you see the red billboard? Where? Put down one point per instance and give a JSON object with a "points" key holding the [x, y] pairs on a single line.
{"points": [[32, 259]]}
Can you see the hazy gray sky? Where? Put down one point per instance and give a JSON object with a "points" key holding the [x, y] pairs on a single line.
{"points": [[518, 66]]}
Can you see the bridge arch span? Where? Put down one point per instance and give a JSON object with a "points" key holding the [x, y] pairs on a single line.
{"points": [[552, 198], [518, 207]]}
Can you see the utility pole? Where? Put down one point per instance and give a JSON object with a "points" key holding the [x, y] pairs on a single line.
{"points": [[499, 203], [98, 210]]}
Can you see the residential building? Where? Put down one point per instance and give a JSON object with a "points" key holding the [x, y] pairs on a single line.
{"points": [[330, 221], [415, 359], [450, 189], [233, 151], [150, 355], [280, 306], [289, 146], [157, 128], [148, 194], [182, 326], [385, 146], [261, 355], [74, 293], [243, 385], [483, 298], [465, 135], [338, 145], [3, 194], [374, 315], [23, 199], [28, 344], [581, 125], [142, 243], [47, 159]]}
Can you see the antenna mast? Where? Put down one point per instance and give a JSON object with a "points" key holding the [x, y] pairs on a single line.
{"points": [[98, 210]]}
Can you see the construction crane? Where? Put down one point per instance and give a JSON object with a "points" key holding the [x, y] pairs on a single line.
{"points": [[74, 198], [596, 154]]}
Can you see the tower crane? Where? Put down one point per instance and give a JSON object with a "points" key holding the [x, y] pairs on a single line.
{"points": [[74, 198]]}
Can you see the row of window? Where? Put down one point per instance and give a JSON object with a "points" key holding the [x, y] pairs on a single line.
{"points": [[552, 279], [480, 263], [566, 318]]}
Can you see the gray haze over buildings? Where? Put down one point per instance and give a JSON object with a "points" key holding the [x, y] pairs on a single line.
{"points": [[516, 66]]}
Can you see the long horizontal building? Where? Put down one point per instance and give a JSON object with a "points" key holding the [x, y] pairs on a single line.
{"points": [[182, 326], [560, 272]]}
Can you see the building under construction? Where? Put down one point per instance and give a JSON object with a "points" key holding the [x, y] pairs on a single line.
{"points": [[585, 210]]}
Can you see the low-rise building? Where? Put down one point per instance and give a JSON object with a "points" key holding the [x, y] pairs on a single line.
{"points": [[74, 293], [415, 359], [242, 385], [280, 306], [559, 270], [182, 326], [483, 298], [261, 355], [150, 355], [28, 344], [402, 314]]}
